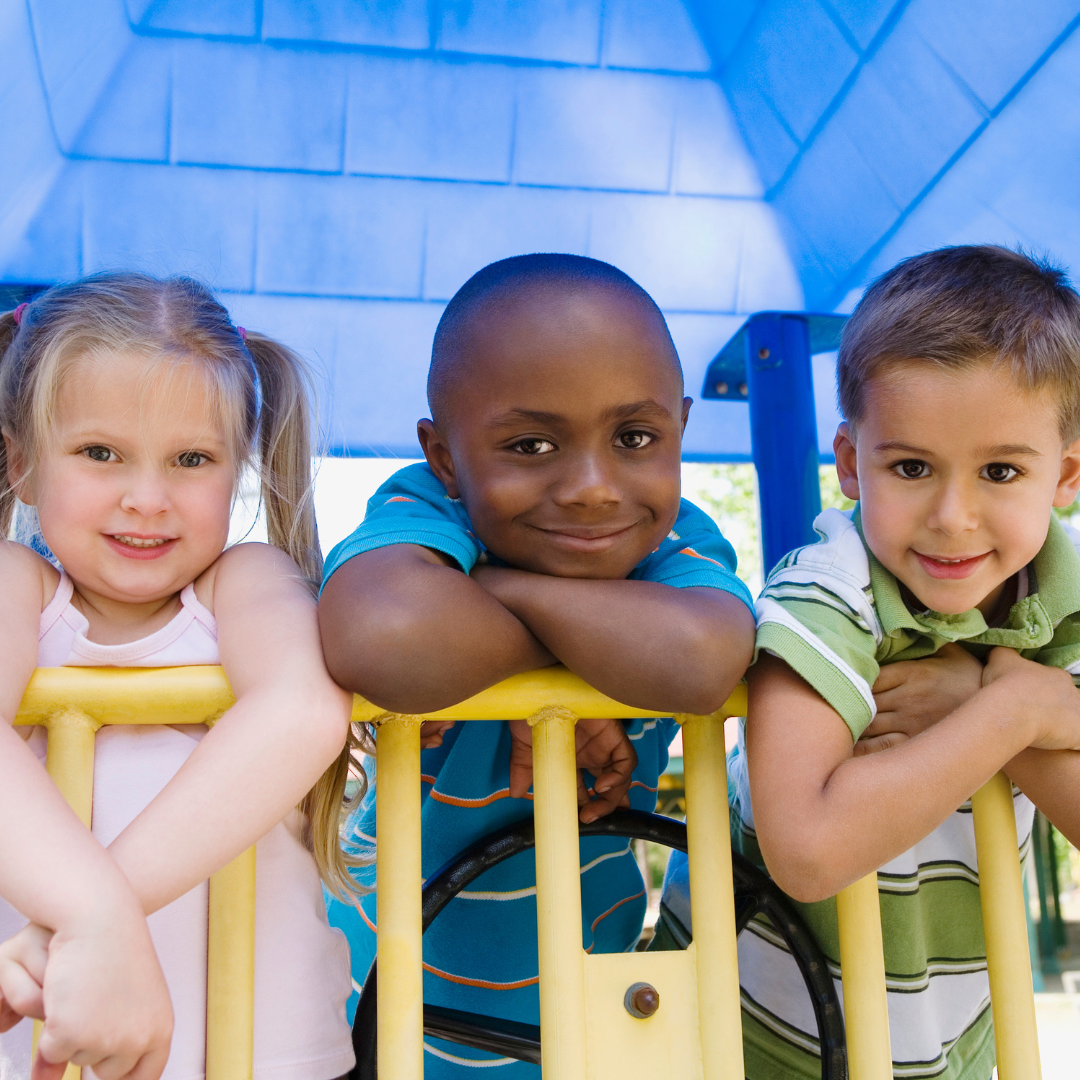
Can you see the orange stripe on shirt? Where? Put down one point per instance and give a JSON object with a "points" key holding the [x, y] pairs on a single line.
{"points": [[482, 983], [398, 498], [698, 555], [625, 900], [370, 925], [487, 800], [638, 783]]}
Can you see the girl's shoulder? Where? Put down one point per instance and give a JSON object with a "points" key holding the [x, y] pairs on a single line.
{"points": [[247, 565], [24, 571]]}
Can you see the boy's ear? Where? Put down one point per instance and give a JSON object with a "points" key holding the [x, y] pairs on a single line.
{"points": [[844, 449], [1069, 483], [16, 470], [438, 456], [686, 403]]}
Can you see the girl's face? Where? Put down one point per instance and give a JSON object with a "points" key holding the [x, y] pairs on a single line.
{"points": [[135, 487]]}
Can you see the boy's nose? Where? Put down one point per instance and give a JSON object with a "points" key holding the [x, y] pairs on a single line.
{"points": [[587, 483], [954, 512]]}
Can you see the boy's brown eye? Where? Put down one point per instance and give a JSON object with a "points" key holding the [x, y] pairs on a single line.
{"points": [[534, 447], [912, 470], [999, 472], [634, 440]]}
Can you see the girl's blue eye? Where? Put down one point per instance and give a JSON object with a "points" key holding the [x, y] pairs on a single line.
{"points": [[191, 459], [98, 453]]}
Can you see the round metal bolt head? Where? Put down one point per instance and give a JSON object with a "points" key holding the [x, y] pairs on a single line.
{"points": [[721, 387], [743, 389], [763, 353], [641, 1000]]}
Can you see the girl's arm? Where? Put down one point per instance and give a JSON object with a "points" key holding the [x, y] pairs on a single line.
{"points": [[643, 643], [289, 723], [87, 964], [825, 818]]}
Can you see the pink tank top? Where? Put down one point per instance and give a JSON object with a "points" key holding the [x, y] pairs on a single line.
{"points": [[302, 975]]}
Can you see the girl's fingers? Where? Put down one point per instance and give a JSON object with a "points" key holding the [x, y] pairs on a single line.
{"points": [[20, 993]]}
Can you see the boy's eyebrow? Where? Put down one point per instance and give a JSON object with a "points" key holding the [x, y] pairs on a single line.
{"points": [[617, 412], [1001, 450]]}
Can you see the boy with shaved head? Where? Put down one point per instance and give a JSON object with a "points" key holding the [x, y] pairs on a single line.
{"points": [[545, 527]]}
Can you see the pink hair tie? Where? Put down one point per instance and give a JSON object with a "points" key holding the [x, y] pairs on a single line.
{"points": [[17, 314], [243, 334]]}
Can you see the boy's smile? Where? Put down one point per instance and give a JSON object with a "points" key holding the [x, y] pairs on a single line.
{"points": [[562, 436], [956, 473]]}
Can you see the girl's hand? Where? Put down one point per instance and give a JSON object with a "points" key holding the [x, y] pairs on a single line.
{"points": [[99, 990], [602, 747], [913, 695], [1044, 697]]}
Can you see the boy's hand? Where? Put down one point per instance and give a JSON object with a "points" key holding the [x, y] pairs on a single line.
{"points": [[431, 732], [602, 747], [913, 695], [1045, 697]]}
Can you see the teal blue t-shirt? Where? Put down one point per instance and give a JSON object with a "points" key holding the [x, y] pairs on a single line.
{"points": [[480, 953]]}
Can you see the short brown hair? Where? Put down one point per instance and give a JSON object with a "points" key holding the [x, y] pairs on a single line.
{"points": [[963, 305]]}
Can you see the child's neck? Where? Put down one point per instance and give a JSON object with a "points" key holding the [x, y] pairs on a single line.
{"points": [[117, 622]]}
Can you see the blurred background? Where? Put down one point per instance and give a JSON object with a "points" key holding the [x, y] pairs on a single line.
{"points": [[336, 169]]}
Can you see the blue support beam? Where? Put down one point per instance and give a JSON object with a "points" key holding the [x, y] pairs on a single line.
{"points": [[768, 363]]}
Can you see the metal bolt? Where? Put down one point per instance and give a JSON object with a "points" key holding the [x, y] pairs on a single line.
{"points": [[721, 388], [763, 353], [641, 1000], [743, 389]]}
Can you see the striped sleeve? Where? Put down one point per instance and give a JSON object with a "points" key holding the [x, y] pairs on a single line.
{"points": [[816, 613]]}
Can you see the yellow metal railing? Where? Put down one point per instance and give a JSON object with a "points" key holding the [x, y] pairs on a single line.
{"points": [[587, 1034]]}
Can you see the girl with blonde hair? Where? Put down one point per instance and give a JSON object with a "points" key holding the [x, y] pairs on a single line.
{"points": [[129, 408]]}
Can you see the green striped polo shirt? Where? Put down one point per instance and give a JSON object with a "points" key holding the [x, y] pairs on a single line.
{"points": [[835, 615]]}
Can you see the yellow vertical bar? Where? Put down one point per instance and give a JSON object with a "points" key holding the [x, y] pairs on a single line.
{"points": [[399, 876], [230, 971], [1005, 926], [709, 853], [862, 968], [558, 897], [69, 760]]}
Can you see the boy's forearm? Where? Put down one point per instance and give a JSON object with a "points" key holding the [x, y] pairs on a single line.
{"points": [[643, 643], [1051, 780], [414, 635], [824, 818]]}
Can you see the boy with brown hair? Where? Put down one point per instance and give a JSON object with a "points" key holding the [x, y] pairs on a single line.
{"points": [[959, 377]]}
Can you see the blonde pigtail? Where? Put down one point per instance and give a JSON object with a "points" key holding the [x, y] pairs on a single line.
{"points": [[8, 329], [285, 445]]}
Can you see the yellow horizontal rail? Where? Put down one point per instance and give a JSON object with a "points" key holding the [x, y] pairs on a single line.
{"points": [[201, 694]]}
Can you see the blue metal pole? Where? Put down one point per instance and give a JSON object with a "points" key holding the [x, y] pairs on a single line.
{"points": [[783, 431]]}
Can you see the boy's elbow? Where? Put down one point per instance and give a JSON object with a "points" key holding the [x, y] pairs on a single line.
{"points": [[802, 872], [714, 664]]}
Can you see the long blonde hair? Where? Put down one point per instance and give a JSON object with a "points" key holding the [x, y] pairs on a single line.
{"points": [[262, 393]]}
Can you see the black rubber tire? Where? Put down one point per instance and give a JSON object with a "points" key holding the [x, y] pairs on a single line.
{"points": [[754, 892]]}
